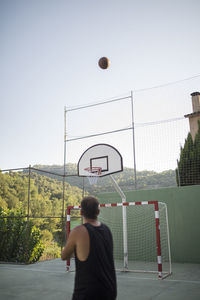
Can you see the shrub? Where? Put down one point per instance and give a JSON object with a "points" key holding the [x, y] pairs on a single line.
{"points": [[19, 238]]}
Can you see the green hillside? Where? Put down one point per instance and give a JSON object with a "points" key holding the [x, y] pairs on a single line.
{"points": [[46, 199], [47, 192], [46, 196], [145, 179]]}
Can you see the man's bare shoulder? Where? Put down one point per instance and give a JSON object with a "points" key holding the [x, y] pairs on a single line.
{"points": [[79, 229]]}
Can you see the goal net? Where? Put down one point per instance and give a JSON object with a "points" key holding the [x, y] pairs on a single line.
{"points": [[143, 246]]}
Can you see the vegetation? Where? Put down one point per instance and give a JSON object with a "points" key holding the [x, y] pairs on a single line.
{"points": [[19, 239], [145, 179], [45, 211], [188, 172], [43, 235]]}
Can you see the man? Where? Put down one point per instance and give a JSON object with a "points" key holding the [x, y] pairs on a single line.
{"points": [[92, 245]]}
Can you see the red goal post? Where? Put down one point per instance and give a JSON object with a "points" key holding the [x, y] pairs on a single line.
{"points": [[155, 207]]}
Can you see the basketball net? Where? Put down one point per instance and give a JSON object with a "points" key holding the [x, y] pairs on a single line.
{"points": [[93, 174]]}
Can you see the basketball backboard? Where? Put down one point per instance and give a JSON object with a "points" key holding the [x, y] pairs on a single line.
{"points": [[100, 160]]}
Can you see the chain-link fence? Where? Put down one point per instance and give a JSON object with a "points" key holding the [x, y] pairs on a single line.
{"points": [[32, 214], [33, 200]]}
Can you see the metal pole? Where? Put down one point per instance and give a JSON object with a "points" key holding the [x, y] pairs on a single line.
{"points": [[65, 138], [168, 239], [178, 173], [64, 162], [99, 103], [63, 202], [83, 192], [29, 187], [124, 219], [133, 133]]}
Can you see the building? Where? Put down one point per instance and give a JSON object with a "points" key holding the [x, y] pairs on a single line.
{"points": [[194, 117]]}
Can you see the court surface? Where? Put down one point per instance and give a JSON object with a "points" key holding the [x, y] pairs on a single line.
{"points": [[49, 281]]}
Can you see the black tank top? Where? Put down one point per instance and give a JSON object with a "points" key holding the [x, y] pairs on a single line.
{"points": [[95, 277]]}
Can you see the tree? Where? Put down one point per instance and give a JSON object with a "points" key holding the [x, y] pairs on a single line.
{"points": [[188, 172], [197, 156], [19, 239]]}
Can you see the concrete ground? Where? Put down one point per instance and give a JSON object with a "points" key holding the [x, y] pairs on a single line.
{"points": [[49, 281]]}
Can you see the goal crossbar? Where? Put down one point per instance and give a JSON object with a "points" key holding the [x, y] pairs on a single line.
{"points": [[155, 206]]}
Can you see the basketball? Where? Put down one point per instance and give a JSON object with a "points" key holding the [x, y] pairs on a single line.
{"points": [[104, 63]]}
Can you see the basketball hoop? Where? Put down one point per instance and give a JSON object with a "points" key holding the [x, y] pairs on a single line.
{"points": [[93, 174]]}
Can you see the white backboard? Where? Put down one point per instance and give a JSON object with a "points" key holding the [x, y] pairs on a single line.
{"points": [[102, 156]]}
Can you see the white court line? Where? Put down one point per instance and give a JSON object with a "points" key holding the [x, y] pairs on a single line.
{"points": [[118, 276], [159, 280], [33, 270]]}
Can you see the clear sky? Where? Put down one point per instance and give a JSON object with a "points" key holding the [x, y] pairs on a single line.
{"points": [[48, 59]]}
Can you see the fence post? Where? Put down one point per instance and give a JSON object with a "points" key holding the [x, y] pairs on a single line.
{"points": [[29, 188], [133, 133], [179, 183]]}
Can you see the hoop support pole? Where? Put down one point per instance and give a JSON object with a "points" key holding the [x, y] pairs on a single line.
{"points": [[124, 218], [159, 258]]}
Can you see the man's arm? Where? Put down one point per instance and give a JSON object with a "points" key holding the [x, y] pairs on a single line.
{"points": [[70, 246]]}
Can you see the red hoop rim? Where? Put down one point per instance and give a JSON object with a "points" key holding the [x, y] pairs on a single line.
{"points": [[92, 170]]}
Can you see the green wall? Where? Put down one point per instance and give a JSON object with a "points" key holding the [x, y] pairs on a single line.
{"points": [[183, 205]]}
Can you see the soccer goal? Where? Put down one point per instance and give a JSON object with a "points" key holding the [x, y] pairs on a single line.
{"points": [[144, 246]]}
